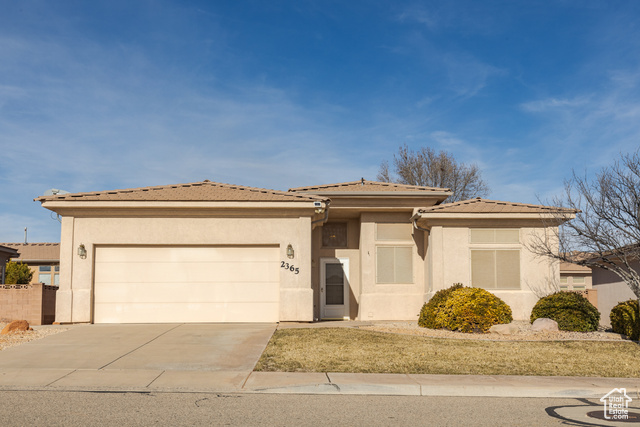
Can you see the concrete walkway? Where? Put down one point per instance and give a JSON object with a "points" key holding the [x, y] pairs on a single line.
{"points": [[220, 358]]}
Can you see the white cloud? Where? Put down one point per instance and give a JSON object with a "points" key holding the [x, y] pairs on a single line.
{"points": [[446, 140], [469, 18], [468, 75], [553, 104]]}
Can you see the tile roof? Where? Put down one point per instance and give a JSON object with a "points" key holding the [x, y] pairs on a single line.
{"points": [[4, 249], [363, 186], [36, 251], [482, 206], [569, 267], [197, 191]]}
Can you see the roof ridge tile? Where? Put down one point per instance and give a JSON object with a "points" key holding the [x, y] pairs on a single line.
{"points": [[479, 205], [360, 184], [199, 191]]}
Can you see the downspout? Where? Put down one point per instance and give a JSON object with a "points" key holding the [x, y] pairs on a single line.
{"points": [[426, 243], [70, 274], [326, 215], [415, 218]]}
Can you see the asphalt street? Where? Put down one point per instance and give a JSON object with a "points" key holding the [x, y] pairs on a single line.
{"points": [[57, 408]]}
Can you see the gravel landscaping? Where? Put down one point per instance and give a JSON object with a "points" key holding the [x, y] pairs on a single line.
{"points": [[17, 338], [524, 333]]}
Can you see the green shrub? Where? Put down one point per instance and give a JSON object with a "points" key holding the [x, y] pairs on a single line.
{"points": [[17, 273], [572, 311], [625, 320], [430, 308]]}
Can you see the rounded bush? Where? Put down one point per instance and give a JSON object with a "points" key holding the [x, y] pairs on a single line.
{"points": [[625, 319], [430, 309], [572, 311], [472, 310]]}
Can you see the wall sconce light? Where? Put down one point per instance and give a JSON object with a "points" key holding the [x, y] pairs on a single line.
{"points": [[290, 252], [82, 251]]}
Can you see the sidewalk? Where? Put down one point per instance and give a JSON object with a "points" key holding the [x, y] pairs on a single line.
{"points": [[220, 358], [138, 380]]}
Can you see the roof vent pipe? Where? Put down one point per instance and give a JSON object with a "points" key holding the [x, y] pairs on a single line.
{"points": [[25, 235]]}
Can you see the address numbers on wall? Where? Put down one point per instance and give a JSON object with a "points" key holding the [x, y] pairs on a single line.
{"points": [[290, 267]]}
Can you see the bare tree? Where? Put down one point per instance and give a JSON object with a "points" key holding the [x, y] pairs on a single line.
{"points": [[607, 222], [427, 168]]}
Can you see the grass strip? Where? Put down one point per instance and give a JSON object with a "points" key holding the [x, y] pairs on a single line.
{"points": [[353, 350]]}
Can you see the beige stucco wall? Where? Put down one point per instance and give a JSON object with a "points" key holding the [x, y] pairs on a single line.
{"points": [[611, 290], [449, 260], [369, 300], [389, 301], [74, 298]]}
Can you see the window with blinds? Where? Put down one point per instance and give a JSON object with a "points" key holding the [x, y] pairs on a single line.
{"points": [[393, 231], [495, 269], [394, 264], [494, 235], [394, 257]]}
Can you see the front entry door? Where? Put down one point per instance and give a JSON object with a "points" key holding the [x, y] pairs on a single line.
{"points": [[334, 288]]}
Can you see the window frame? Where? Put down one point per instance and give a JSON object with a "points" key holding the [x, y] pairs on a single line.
{"points": [[496, 247], [500, 249], [346, 235], [494, 229], [395, 243], [377, 234], [395, 282]]}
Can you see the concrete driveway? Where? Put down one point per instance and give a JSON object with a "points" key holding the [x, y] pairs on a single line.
{"points": [[219, 356]]}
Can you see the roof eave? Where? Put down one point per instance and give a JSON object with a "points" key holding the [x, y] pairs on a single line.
{"points": [[469, 215], [365, 194], [100, 204]]}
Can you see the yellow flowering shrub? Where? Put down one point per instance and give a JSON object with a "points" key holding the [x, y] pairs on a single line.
{"points": [[472, 310]]}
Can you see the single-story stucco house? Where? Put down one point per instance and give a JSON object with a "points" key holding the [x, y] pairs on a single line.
{"points": [[42, 258], [6, 254], [211, 252]]}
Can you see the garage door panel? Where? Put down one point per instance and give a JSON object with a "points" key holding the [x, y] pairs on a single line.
{"points": [[186, 284], [175, 294], [196, 312], [241, 271], [188, 253]]}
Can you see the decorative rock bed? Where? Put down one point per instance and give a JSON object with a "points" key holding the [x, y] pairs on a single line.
{"points": [[518, 331], [21, 337]]}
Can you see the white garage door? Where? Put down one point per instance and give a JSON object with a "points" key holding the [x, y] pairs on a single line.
{"points": [[186, 284]]}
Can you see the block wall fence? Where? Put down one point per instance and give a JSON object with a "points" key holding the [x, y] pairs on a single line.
{"points": [[35, 303]]}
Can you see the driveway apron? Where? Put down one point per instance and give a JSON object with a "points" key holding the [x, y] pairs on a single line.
{"points": [[138, 355]]}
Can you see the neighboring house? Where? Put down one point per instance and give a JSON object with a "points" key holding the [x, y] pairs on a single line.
{"points": [[574, 277], [42, 258], [210, 252], [611, 290], [6, 254]]}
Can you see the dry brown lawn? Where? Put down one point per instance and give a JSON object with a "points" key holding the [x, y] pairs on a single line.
{"points": [[352, 350]]}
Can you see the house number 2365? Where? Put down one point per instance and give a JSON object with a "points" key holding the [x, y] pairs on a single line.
{"points": [[290, 267]]}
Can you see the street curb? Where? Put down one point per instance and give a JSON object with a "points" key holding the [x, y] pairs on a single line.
{"points": [[348, 384]]}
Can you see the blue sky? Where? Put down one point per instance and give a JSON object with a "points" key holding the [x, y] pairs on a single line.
{"points": [[278, 94]]}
